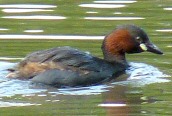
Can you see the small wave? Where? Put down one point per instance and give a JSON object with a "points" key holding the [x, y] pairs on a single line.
{"points": [[141, 74]]}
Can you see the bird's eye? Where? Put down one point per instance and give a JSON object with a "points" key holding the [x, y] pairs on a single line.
{"points": [[138, 39]]}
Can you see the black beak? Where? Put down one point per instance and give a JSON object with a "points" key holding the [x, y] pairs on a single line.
{"points": [[150, 47], [153, 48]]}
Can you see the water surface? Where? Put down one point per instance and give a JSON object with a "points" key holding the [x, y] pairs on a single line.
{"points": [[27, 26]]}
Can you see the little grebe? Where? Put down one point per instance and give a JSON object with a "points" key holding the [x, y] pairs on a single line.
{"points": [[66, 66]]}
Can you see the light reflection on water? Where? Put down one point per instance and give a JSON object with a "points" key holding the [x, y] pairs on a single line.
{"points": [[10, 104], [38, 17], [142, 74], [7, 58], [167, 8], [102, 5], [91, 12], [70, 37], [3, 29], [113, 18], [164, 30], [107, 4], [169, 46], [23, 10], [117, 13], [33, 31], [116, 1], [139, 74], [112, 105], [27, 6]]}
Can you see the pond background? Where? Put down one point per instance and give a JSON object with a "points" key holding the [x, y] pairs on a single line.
{"points": [[27, 26]]}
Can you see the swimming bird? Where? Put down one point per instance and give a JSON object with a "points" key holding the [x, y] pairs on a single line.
{"points": [[66, 66]]}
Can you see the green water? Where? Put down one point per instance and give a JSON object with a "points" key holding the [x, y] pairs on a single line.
{"points": [[154, 99]]}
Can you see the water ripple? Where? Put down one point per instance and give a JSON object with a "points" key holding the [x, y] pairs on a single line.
{"points": [[142, 74]]}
